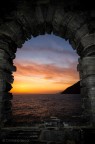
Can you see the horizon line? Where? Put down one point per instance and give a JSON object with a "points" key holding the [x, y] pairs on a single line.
{"points": [[34, 93]]}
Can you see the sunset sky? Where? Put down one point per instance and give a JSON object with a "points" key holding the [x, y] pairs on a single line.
{"points": [[45, 64]]}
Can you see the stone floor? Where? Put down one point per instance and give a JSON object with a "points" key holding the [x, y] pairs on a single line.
{"points": [[37, 136]]}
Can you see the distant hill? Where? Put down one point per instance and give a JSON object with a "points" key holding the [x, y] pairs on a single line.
{"points": [[74, 89]]}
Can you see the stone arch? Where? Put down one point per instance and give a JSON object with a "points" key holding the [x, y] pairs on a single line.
{"points": [[33, 19]]}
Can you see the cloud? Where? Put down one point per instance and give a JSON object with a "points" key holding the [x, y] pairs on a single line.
{"points": [[46, 71], [46, 45], [48, 55], [53, 48]]}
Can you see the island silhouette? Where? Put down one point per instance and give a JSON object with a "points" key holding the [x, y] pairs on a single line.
{"points": [[74, 89]]}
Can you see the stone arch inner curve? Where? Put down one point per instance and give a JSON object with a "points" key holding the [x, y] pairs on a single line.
{"points": [[38, 19]]}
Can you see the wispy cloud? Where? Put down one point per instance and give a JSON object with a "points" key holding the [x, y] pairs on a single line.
{"points": [[48, 71], [47, 48], [54, 49]]}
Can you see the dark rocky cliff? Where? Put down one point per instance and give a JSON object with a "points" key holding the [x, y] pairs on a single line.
{"points": [[74, 89]]}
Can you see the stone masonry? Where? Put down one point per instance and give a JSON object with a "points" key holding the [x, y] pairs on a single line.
{"points": [[28, 18]]}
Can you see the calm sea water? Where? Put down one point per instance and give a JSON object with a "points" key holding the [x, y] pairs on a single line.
{"points": [[30, 108]]}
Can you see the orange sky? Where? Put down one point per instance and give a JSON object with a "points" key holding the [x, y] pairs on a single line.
{"points": [[42, 78], [46, 64]]}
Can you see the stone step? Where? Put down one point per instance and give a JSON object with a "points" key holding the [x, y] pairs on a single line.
{"points": [[22, 136], [70, 136]]}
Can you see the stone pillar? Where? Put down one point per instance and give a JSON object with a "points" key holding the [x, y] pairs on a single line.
{"points": [[86, 68], [6, 79]]}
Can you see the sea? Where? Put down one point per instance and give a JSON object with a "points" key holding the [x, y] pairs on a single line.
{"points": [[35, 108]]}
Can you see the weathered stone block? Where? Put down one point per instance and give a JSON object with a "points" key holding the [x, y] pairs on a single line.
{"points": [[88, 40], [93, 120], [86, 112], [79, 67], [39, 15], [86, 103], [6, 65], [8, 87], [87, 61], [86, 74], [28, 20], [26, 30], [49, 18], [81, 32], [66, 18], [86, 119], [61, 19], [91, 91], [3, 54], [89, 70], [80, 75], [88, 92], [73, 43], [90, 51], [93, 104], [5, 96], [6, 116], [4, 86], [50, 14], [73, 25], [5, 107], [69, 35], [86, 67], [48, 28], [6, 76], [88, 81], [5, 46], [12, 30], [76, 21]]}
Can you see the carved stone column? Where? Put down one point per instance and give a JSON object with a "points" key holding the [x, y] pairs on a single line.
{"points": [[6, 79], [86, 69]]}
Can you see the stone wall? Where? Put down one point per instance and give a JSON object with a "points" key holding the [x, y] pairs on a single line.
{"points": [[30, 19]]}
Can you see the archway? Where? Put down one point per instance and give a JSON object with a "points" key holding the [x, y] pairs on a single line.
{"points": [[40, 18], [46, 60], [46, 65]]}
